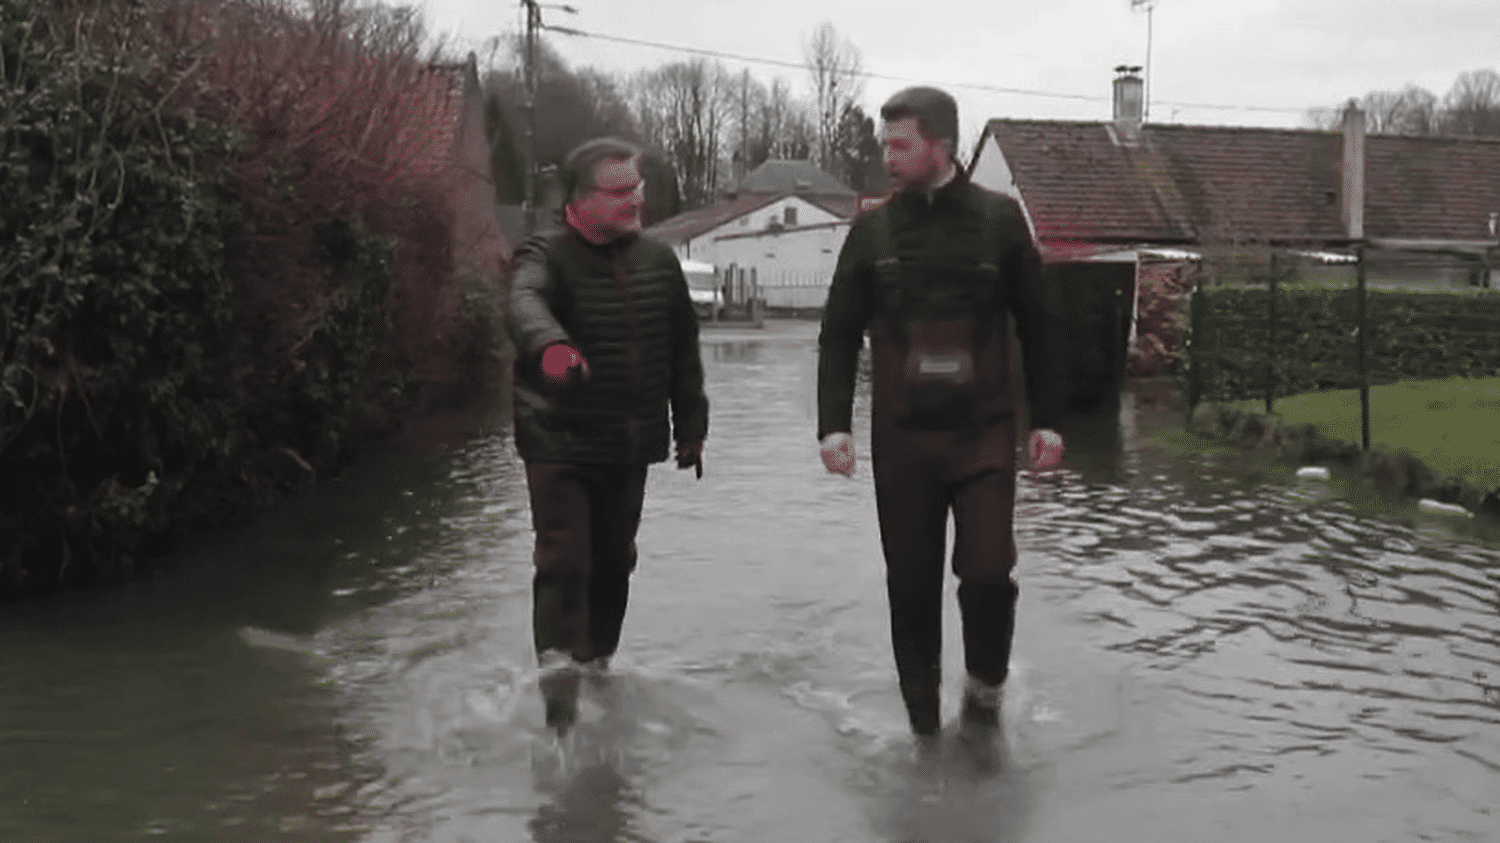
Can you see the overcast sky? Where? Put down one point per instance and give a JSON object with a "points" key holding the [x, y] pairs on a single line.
{"points": [[1272, 59]]}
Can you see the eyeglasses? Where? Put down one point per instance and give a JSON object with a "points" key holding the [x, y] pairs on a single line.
{"points": [[624, 191]]}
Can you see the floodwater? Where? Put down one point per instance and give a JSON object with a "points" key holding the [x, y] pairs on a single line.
{"points": [[1203, 653]]}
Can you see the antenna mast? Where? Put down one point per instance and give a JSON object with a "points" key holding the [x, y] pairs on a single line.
{"points": [[1149, 6]]}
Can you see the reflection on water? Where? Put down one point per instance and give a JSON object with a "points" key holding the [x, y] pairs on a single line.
{"points": [[1204, 652]]}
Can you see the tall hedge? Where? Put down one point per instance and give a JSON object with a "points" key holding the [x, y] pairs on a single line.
{"points": [[196, 307], [1411, 335]]}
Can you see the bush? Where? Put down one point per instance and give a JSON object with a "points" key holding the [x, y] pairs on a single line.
{"points": [[215, 216], [113, 298], [1412, 335]]}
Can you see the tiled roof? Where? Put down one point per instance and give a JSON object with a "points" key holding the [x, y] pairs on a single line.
{"points": [[1431, 187], [788, 176], [1078, 185], [1196, 183], [689, 224], [840, 206]]}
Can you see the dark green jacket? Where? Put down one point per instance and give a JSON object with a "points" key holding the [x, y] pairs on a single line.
{"points": [[625, 306], [937, 240]]}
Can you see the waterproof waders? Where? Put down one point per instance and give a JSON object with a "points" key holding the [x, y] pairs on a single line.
{"points": [[936, 279]]}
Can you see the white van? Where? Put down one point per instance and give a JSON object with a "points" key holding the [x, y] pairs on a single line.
{"points": [[703, 286]]}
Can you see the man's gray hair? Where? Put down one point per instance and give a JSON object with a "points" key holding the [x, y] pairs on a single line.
{"points": [[935, 110], [578, 169]]}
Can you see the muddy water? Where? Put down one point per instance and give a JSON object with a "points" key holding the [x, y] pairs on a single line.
{"points": [[1202, 654]]}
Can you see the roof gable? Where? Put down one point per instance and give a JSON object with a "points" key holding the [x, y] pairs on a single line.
{"points": [[787, 176], [689, 224]]}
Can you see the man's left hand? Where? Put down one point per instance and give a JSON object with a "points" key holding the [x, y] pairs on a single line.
{"points": [[690, 455], [1045, 449]]}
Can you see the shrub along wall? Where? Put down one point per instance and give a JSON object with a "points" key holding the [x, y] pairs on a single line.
{"points": [[1412, 335], [195, 316]]}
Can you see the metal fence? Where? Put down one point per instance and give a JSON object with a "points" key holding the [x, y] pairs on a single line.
{"points": [[796, 290], [1271, 323]]}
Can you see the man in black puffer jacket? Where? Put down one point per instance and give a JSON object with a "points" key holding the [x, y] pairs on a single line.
{"points": [[607, 348]]}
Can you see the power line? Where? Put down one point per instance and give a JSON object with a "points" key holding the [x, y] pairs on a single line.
{"points": [[978, 86], [799, 66]]}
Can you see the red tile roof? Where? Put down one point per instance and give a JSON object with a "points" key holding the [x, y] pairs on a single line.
{"points": [[1194, 183], [1432, 187], [843, 207], [689, 224], [775, 179]]}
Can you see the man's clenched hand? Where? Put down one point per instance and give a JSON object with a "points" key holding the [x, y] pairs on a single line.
{"points": [[560, 361], [1045, 449], [690, 455], [838, 453]]}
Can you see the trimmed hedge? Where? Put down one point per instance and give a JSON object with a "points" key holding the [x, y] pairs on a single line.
{"points": [[1412, 335]]}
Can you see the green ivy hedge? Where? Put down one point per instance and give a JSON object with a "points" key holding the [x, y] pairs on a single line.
{"points": [[135, 403], [1411, 335]]}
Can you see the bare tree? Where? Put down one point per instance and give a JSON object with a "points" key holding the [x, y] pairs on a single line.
{"points": [[1323, 119], [684, 109], [1416, 111], [783, 126], [1472, 106], [1420, 112], [835, 67], [572, 106], [377, 25], [1410, 111]]}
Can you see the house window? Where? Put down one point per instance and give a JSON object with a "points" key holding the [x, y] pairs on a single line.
{"points": [[789, 215]]}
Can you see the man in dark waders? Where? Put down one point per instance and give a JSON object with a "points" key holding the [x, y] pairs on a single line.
{"points": [[933, 272], [607, 344]]}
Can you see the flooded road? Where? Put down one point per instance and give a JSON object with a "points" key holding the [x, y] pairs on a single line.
{"points": [[1202, 654]]}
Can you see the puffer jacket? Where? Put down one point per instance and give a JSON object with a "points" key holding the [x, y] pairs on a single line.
{"points": [[625, 306]]}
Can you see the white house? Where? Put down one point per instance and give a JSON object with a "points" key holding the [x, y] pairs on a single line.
{"points": [[791, 267], [779, 232]]}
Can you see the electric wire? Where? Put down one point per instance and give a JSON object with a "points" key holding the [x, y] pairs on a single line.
{"points": [[979, 86]]}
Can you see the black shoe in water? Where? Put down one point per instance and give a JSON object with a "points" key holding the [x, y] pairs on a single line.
{"points": [[559, 686], [981, 709], [562, 711]]}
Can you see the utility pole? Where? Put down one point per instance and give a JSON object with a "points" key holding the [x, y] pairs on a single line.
{"points": [[744, 127], [528, 53], [531, 76]]}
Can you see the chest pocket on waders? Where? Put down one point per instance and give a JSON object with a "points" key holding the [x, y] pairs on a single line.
{"points": [[938, 387]]}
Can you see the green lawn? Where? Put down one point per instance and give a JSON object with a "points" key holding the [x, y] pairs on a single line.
{"points": [[1452, 425]]}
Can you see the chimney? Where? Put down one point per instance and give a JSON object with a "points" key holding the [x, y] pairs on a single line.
{"points": [[1354, 170], [737, 172], [1130, 100]]}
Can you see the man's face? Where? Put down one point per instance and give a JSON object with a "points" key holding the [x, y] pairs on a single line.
{"points": [[911, 161], [613, 206]]}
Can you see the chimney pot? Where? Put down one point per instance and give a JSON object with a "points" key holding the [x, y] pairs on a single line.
{"points": [[1129, 103]]}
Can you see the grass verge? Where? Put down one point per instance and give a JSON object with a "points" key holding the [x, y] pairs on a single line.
{"points": [[1452, 425]]}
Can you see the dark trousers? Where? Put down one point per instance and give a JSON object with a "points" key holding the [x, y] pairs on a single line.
{"points": [[585, 517], [919, 477]]}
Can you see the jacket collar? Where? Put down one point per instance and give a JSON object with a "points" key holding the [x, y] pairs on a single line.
{"points": [[615, 246], [948, 195]]}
